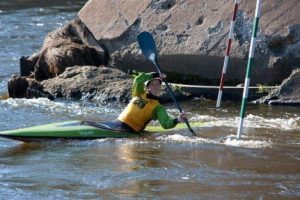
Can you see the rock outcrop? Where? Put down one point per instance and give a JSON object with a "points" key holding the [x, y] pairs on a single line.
{"points": [[90, 82], [287, 94], [101, 84]]}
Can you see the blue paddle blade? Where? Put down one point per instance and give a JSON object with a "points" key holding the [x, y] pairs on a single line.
{"points": [[147, 45]]}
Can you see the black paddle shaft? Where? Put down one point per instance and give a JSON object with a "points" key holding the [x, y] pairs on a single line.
{"points": [[173, 97], [148, 47]]}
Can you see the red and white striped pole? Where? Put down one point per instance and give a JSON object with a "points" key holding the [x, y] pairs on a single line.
{"points": [[230, 38]]}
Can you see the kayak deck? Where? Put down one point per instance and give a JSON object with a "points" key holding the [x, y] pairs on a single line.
{"points": [[79, 131]]}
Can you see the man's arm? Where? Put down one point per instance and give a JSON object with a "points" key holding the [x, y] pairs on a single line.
{"points": [[139, 82], [164, 119]]}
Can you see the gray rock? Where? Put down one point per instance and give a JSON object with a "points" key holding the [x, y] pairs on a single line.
{"points": [[99, 84], [287, 94]]}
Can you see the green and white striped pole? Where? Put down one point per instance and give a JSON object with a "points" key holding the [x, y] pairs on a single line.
{"points": [[249, 66]]}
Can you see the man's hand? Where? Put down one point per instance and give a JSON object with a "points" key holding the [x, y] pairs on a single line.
{"points": [[162, 76], [182, 117]]}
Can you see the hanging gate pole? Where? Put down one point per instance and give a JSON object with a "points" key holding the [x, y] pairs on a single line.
{"points": [[230, 38], [249, 66]]}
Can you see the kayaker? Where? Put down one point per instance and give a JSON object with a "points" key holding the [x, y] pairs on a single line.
{"points": [[144, 105]]}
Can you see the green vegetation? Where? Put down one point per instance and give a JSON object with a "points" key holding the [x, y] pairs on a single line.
{"points": [[263, 88], [176, 88]]}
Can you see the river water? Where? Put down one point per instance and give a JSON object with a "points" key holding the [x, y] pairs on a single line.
{"points": [[264, 164]]}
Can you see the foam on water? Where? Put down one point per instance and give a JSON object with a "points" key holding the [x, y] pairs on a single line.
{"points": [[251, 121], [85, 143], [229, 141], [233, 141], [70, 108], [277, 123], [3, 85], [178, 138]]}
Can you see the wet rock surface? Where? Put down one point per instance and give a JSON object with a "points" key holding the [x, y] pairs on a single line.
{"points": [[287, 94]]}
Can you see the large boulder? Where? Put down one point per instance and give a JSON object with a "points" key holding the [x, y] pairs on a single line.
{"points": [[62, 48], [191, 37]]}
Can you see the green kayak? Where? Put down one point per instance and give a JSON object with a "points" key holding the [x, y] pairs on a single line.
{"points": [[81, 131]]}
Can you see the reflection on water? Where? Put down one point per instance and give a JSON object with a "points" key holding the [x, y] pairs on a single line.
{"points": [[137, 159], [19, 150], [197, 171]]}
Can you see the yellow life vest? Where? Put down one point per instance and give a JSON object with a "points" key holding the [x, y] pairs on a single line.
{"points": [[138, 112]]}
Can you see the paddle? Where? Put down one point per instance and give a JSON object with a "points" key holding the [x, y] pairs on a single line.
{"points": [[148, 47]]}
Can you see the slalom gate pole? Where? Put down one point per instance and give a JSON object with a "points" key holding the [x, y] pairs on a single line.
{"points": [[230, 38], [249, 66]]}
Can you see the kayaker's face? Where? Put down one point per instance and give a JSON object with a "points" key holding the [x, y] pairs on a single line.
{"points": [[154, 87]]}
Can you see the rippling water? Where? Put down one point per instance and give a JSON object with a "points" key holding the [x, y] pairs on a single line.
{"points": [[265, 164]]}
